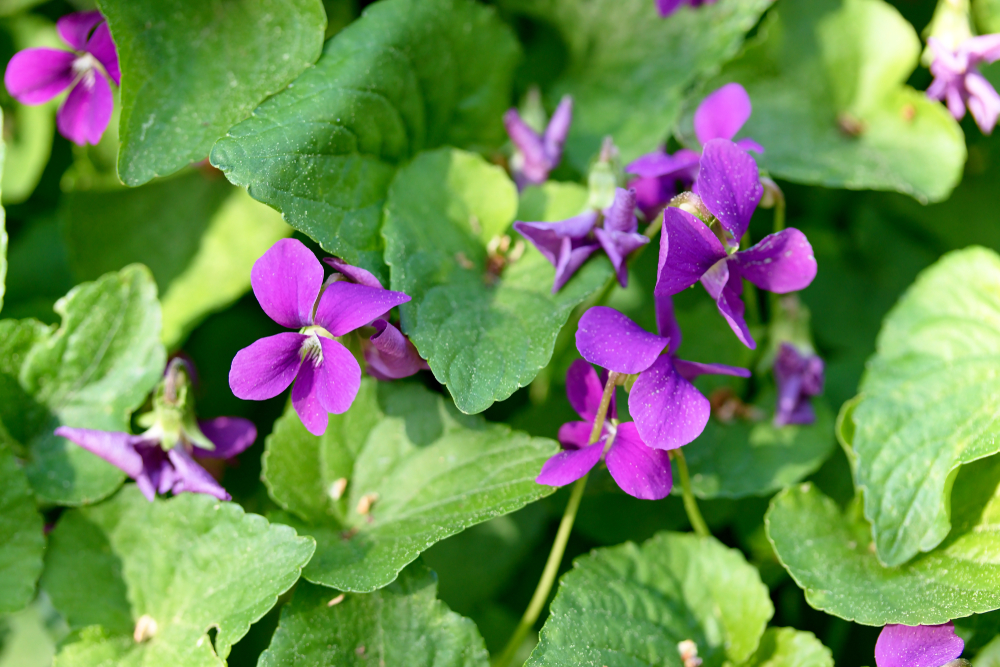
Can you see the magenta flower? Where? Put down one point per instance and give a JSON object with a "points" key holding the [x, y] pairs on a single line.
{"points": [[668, 7], [35, 76], [661, 176], [537, 155], [668, 410], [799, 377], [567, 244], [691, 251], [959, 84], [919, 646], [158, 470], [288, 283], [639, 470]]}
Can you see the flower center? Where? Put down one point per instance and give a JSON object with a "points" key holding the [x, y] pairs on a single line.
{"points": [[85, 63], [312, 350]]}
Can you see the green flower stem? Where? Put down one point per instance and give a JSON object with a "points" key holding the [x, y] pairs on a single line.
{"points": [[690, 504], [750, 290], [548, 577], [779, 210]]}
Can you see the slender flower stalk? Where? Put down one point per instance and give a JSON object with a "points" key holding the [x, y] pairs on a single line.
{"points": [[690, 504]]}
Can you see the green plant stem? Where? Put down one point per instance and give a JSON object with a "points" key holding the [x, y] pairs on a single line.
{"points": [[779, 210], [690, 504], [541, 594], [750, 300]]}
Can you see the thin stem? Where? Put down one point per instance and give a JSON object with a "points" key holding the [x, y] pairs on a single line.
{"points": [[690, 504], [751, 299], [779, 210], [541, 594]]}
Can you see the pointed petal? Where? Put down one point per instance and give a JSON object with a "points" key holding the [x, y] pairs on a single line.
{"points": [[525, 139], [620, 216], [158, 474], [557, 130], [391, 355], [286, 281], [659, 163], [338, 378], [732, 308], [230, 435], [575, 435], [722, 114], [618, 246], [569, 466], [689, 370], [192, 478], [666, 323], [920, 646], [983, 102], [780, 263], [584, 389], [640, 471], [570, 259], [266, 368], [35, 76], [346, 306], [669, 411], [75, 28], [610, 340], [305, 400], [688, 249], [748, 144], [668, 7], [353, 273], [118, 449], [729, 184], [102, 47], [984, 48], [548, 236]]}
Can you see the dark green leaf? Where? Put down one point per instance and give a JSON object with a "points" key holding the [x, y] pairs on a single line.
{"points": [[832, 557], [190, 563], [416, 471], [629, 68], [830, 107], [21, 538], [484, 335], [191, 70], [401, 624], [788, 647], [407, 76], [631, 605]]}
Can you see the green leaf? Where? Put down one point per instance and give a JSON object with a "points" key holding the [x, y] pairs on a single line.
{"points": [[402, 624], [92, 372], [929, 401], [788, 647], [483, 335], [198, 235], [987, 15], [831, 556], [190, 563], [191, 70], [551, 201], [631, 605], [754, 458], [629, 69], [407, 76], [416, 471], [9, 7], [21, 538], [830, 104]]}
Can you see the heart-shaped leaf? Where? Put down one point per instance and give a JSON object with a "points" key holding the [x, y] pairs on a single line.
{"points": [[21, 538]]}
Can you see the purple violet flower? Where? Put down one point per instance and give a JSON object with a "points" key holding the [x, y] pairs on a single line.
{"points": [[799, 377], [568, 243], [35, 76], [638, 469], [919, 646], [288, 283], [668, 7], [958, 82], [719, 116], [668, 410], [690, 250], [537, 155]]}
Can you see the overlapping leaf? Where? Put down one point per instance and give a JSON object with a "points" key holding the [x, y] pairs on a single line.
{"points": [[629, 69], [92, 372], [830, 107], [401, 624], [191, 70], [484, 332], [788, 647], [21, 538], [190, 563], [401, 470], [407, 76]]}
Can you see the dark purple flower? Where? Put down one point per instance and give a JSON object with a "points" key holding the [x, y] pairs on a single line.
{"points": [[668, 410], [919, 646], [958, 82], [729, 186], [799, 377], [288, 283], [537, 155], [35, 76], [156, 470], [639, 470], [661, 176], [668, 7], [567, 244]]}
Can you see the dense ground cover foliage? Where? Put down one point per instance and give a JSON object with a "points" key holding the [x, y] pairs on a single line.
{"points": [[338, 332]]}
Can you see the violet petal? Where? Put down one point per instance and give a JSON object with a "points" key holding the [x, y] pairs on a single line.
{"points": [[266, 368], [570, 259], [575, 435], [568, 466], [305, 400], [391, 355], [584, 389], [338, 378], [780, 263], [639, 470], [230, 435], [729, 185], [689, 370], [666, 322], [75, 28], [557, 130], [620, 216], [35, 76], [618, 246], [669, 411], [345, 306], [611, 340], [353, 273], [722, 114], [192, 478], [688, 249], [286, 281], [548, 236], [920, 646], [118, 449], [732, 308], [102, 47], [660, 163]]}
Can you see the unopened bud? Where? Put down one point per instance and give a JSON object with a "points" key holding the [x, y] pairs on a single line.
{"points": [[145, 628], [604, 177], [691, 203]]}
